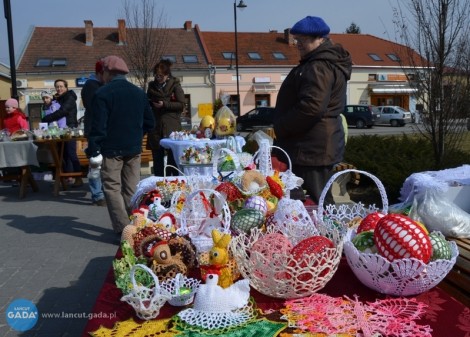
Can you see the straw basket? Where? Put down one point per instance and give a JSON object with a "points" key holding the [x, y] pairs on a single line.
{"points": [[400, 277], [199, 217], [146, 302], [278, 274]]}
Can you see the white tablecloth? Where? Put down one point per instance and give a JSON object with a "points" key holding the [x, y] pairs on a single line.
{"points": [[19, 153], [178, 146]]}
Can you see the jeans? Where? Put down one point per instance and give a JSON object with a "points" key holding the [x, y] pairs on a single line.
{"points": [[96, 189]]}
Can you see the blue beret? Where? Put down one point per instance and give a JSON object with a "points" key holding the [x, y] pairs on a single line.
{"points": [[311, 25]]}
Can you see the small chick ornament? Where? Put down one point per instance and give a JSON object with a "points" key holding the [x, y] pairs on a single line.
{"points": [[219, 257]]}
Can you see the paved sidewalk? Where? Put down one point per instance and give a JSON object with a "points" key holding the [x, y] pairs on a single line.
{"points": [[55, 252]]}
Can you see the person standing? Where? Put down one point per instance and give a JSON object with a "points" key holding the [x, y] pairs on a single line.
{"points": [[88, 91], [307, 119], [50, 105], [167, 100], [68, 109], [15, 120], [120, 116]]}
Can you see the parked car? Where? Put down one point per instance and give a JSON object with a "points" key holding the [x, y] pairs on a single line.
{"points": [[259, 117], [361, 115], [394, 115]]}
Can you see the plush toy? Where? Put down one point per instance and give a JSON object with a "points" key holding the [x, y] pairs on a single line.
{"points": [[219, 257], [165, 265]]}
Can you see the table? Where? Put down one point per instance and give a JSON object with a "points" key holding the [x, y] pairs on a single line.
{"points": [[445, 315], [178, 146], [20, 154], [56, 146]]}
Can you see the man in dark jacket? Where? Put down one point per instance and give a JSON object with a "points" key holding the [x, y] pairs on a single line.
{"points": [[88, 91], [121, 115], [307, 119]]}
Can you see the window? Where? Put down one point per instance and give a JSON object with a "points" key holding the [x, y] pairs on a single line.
{"points": [[171, 58], [190, 59], [375, 57], [44, 62], [279, 56], [228, 55], [372, 77], [59, 62], [393, 57], [254, 56]]}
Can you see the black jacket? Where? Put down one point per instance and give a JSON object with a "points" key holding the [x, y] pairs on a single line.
{"points": [[68, 109]]}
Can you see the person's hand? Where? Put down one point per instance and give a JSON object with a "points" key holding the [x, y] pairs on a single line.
{"points": [[158, 104], [96, 161]]}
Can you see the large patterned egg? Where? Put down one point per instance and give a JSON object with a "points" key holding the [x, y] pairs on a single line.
{"points": [[274, 249], [440, 247], [258, 203], [369, 222], [246, 219], [398, 236], [364, 242]]}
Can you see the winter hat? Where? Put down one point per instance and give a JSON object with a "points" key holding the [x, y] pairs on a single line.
{"points": [[46, 93], [311, 25], [115, 64], [99, 67], [12, 103]]}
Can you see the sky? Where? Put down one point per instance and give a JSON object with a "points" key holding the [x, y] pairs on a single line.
{"points": [[372, 16]]}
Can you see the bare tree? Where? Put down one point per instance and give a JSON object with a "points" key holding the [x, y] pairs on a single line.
{"points": [[438, 31], [147, 38]]}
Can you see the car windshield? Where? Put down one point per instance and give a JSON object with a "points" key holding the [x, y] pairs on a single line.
{"points": [[401, 109], [375, 109]]}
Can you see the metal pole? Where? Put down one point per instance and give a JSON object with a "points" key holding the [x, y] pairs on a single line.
{"points": [[11, 48], [236, 58]]}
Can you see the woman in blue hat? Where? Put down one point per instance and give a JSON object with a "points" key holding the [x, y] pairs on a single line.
{"points": [[307, 122]]}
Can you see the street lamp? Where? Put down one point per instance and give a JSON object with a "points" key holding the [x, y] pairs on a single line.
{"points": [[240, 5]]}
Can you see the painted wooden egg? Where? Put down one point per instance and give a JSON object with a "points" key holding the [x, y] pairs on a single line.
{"points": [[258, 203], [364, 242], [369, 222], [398, 236], [246, 219], [440, 247]]}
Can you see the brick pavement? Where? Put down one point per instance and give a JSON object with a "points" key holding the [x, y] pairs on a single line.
{"points": [[55, 252]]}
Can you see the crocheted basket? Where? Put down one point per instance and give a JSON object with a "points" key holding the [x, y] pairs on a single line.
{"points": [[204, 210], [146, 302], [279, 274], [220, 154], [400, 277], [182, 289]]}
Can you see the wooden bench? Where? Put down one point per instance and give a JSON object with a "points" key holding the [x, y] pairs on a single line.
{"points": [[146, 156], [457, 282]]}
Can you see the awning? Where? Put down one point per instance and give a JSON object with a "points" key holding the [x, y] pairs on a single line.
{"points": [[264, 87], [392, 89]]}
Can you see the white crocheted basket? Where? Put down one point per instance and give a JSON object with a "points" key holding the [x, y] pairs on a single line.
{"points": [[401, 277], [146, 302], [176, 286], [279, 274], [199, 216]]}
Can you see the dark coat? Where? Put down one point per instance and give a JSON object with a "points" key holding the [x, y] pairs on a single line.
{"points": [[121, 115], [68, 109], [88, 91], [307, 119], [168, 118]]}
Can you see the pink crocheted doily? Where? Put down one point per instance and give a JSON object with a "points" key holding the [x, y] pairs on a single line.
{"points": [[333, 315]]}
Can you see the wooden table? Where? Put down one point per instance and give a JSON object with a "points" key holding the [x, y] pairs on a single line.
{"points": [[56, 146], [20, 154]]}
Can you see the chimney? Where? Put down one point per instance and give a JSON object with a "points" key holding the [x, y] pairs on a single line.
{"points": [[188, 25], [88, 32], [122, 34], [288, 37]]}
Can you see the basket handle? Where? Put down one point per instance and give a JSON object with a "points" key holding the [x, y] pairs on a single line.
{"points": [[148, 270], [217, 155], [257, 153], [173, 167], [330, 182]]}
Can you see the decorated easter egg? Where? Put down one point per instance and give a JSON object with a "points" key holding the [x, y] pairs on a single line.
{"points": [[229, 189], [369, 222], [398, 236], [258, 203], [364, 242], [273, 249], [246, 219], [440, 247]]}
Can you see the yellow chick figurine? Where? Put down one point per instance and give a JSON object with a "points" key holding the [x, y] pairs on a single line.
{"points": [[219, 257]]}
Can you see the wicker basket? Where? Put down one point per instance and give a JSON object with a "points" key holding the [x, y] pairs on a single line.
{"points": [[146, 302], [195, 219], [281, 275]]}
